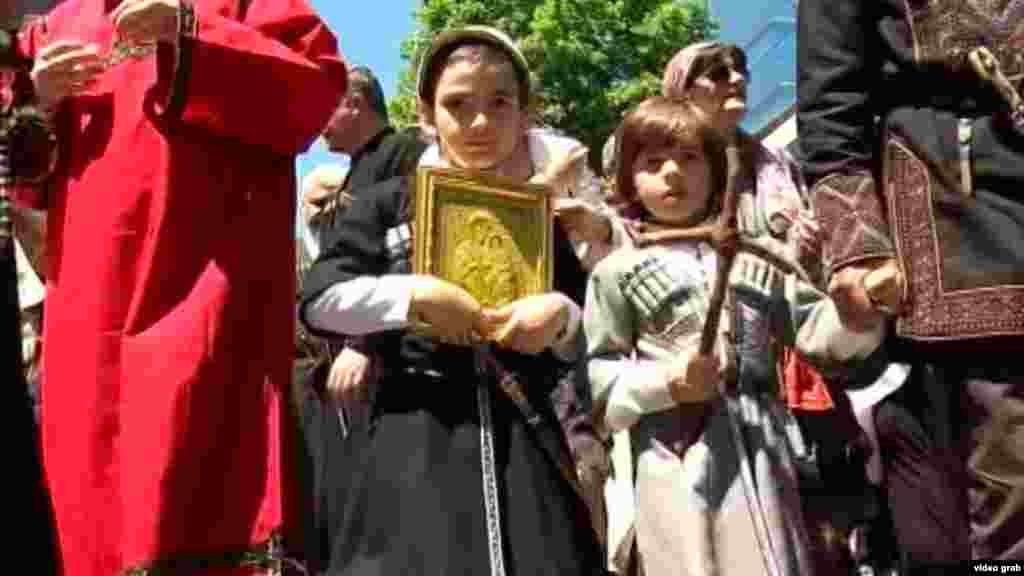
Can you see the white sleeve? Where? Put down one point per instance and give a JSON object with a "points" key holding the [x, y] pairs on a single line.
{"points": [[363, 305], [824, 338], [624, 389], [636, 387]]}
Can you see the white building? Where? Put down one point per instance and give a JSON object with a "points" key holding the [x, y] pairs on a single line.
{"points": [[766, 30]]}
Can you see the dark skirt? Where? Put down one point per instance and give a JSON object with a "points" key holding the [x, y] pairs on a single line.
{"points": [[403, 492]]}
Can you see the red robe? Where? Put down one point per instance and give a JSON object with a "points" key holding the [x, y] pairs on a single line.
{"points": [[170, 293]]}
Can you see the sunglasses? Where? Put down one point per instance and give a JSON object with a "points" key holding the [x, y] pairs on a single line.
{"points": [[720, 73]]}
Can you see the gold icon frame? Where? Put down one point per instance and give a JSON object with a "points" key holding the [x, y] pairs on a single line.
{"points": [[489, 234]]}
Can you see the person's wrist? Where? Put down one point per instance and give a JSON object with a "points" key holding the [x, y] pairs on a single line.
{"points": [[872, 283]]}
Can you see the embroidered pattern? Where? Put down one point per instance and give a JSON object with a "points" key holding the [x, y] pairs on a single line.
{"points": [[944, 31], [933, 312], [850, 212]]}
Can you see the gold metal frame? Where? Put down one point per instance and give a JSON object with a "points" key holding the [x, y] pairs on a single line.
{"points": [[490, 235]]}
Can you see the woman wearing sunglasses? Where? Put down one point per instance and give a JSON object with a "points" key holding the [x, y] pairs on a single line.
{"points": [[714, 76]]}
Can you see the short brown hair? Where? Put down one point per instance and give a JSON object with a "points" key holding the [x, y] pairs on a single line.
{"points": [[362, 81], [660, 122]]}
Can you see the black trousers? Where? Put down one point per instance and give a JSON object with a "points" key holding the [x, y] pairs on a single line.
{"points": [[952, 444]]}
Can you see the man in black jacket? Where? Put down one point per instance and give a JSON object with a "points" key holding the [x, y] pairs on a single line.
{"points": [[360, 129], [912, 131]]}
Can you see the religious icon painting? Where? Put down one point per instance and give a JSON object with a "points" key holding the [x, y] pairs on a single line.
{"points": [[492, 236]]}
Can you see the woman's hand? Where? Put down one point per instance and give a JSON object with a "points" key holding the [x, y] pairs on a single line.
{"points": [[450, 313], [584, 221], [65, 69], [529, 325], [866, 292], [694, 378], [562, 171], [146, 21]]}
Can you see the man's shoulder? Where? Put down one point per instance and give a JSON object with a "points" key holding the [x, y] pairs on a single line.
{"points": [[397, 154], [384, 193], [371, 207], [404, 140]]}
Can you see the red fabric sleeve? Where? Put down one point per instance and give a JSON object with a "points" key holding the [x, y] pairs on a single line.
{"points": [[269, 77], [31, 37]]}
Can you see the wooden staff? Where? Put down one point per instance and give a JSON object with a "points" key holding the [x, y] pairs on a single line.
{"points": [[723, 238]]}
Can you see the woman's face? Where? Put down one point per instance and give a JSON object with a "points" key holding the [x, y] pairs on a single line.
{"points": [[673, 183], [721, 92], [477, 113]]}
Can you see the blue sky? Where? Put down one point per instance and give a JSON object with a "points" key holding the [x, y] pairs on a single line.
{"points": [[369, 33]]}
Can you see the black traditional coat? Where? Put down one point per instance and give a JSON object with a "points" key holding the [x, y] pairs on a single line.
{"points": [[386, 155], [406, 490], [909, 153]]}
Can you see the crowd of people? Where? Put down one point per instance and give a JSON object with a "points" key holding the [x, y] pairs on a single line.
{"points": [[750, 361]]}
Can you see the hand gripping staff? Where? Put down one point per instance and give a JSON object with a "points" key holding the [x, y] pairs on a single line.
{"points": [[726, 240]]}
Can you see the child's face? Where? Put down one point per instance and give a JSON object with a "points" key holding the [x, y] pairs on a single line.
{"points": [[673, 183], [477, 113]]}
